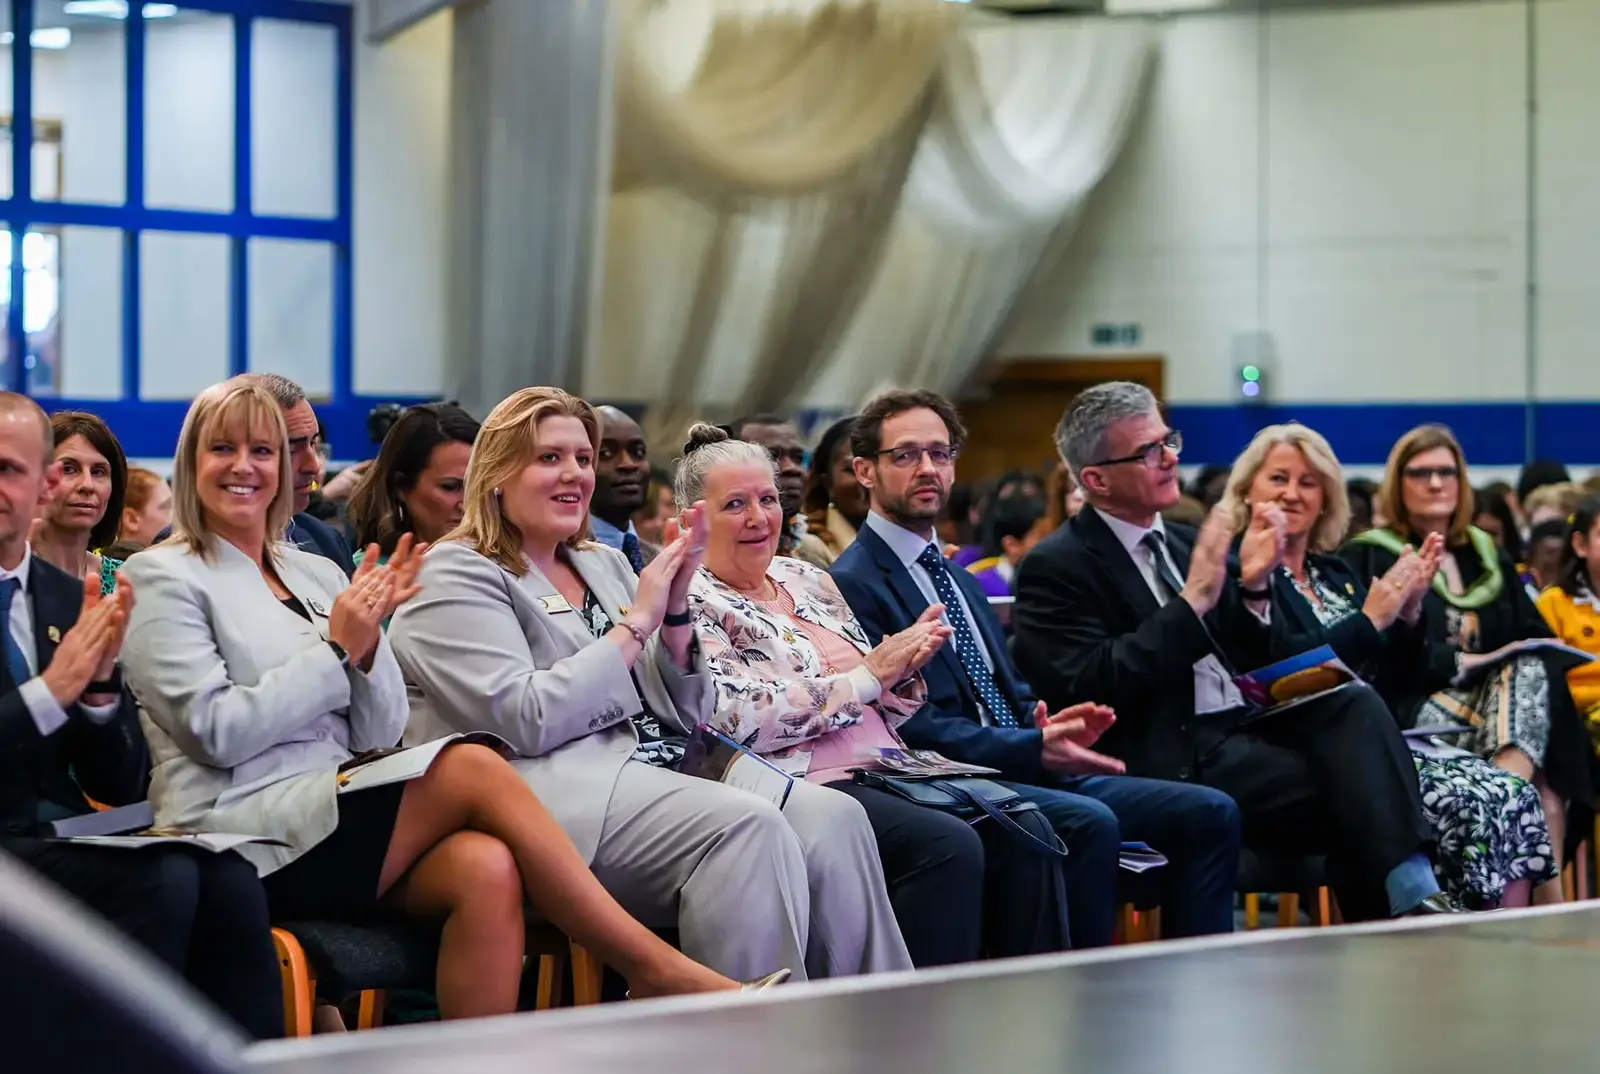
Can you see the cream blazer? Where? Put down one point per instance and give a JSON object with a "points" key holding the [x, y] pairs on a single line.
{"points": [[485, 650], [247, 710]]}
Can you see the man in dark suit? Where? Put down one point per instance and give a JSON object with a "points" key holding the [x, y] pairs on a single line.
{"points": [[982, 712], [621, 482], [68, 728], [1119, 607], [307, 532]]}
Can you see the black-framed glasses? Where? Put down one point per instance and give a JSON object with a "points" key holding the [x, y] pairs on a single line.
{"points": [[904, 458], [1428, 473], [1150, 454]]}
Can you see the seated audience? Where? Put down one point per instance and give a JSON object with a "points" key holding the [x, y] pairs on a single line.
{"points": [[1493, 515], [648, 520], [146, 507], [1359, 491], [1572, 610], [796, 681], [1186, 512], [526, 628], [69, 729], [82, 516], [782, 441], [1493, 841], [1522, 713], [1206, 490], [1013, 530], [957, 525], [1063, 498], [621, 482], [415, 484], [1154, 621], [1536, 475], [981, 711], [1551, 503], [834, 503], [262, 671], [1545, 543]]}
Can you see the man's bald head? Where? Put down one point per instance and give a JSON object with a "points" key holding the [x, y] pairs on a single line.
{"points": [[17, 407]]}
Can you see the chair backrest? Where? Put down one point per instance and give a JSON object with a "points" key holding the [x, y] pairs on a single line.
{"points": [[77, 997]]}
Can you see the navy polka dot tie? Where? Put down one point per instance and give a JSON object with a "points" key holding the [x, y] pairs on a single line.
{"points": [[978, 673], [631, 549]]}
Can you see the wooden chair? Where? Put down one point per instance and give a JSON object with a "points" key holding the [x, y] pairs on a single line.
{"points": [[369, 960], [1288, 876]]}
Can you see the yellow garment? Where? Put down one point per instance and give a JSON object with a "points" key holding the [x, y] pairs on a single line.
{"points": [[1577, 623]]}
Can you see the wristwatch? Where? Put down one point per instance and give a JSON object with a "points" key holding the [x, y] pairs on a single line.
{"points": [[112, 685], [338, 651], [682, 618], [1255, 594]]}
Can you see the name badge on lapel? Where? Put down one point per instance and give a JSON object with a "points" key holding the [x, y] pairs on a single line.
{"points": [[554, 603], [318, 607]]}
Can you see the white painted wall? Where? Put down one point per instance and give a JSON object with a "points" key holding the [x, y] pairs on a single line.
{"points": [[402, 105], [1363, 197]]}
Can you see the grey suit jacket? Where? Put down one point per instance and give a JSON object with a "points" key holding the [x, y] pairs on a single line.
{"points": [[481, 652], [247, 711]]}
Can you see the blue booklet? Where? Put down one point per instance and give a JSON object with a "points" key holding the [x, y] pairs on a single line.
{"points": [[709, 754], [1140, 858], [1292, 682]]}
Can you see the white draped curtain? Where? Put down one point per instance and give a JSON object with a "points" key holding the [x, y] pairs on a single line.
{"points": [[812, 197]]}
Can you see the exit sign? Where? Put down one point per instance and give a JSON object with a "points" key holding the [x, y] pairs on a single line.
{"points": [[1115, 335]]}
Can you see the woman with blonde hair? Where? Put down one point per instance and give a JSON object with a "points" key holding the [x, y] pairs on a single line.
{"points": [[1493, 841], [262, 672], [1469, 671], [527, 628]]}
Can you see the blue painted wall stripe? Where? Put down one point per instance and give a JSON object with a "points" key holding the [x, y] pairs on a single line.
{"points": [[1491, 434]]}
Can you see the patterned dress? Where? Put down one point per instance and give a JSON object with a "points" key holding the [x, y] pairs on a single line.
{"points": [[1488, 822]]}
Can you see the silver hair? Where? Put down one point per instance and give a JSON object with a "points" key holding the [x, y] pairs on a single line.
{"points": [[285, 392], [1081, 433], [710, 446]]}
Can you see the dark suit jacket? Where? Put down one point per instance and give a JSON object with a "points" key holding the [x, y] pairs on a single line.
{"points": [[885, 599], [1386, 659], [1087, 628], [110, 761], [309, 535], [317, 537]]}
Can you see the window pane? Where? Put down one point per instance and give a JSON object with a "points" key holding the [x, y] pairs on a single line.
{"points": [[82, 91], [292, 100], [188, 112], [183, 313], [87, 341], [291, 311]]}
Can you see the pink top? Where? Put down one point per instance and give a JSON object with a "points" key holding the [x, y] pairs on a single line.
{"points": [[835, 753]]}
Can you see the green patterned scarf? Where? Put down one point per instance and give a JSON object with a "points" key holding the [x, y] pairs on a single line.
{"points": [[1480, 593]]}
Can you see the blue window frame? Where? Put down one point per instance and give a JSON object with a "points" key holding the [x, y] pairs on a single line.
{"points": [[149, 428]]}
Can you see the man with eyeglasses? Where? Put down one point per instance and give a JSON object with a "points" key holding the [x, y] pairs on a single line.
{"points": [[981, 711], [1156, 620]]}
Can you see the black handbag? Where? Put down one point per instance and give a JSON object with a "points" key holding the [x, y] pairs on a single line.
{"points": [[972, 800]]}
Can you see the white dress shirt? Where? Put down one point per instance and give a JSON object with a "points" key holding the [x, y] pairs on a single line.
{"points": [[1214, 690], [48, 716], [907, 546]]}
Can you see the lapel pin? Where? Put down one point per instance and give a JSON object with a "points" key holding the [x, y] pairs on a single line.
{"points": [[1350, 588], [53, 633]]}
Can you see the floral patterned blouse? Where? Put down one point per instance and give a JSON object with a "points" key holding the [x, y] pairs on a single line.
{"points": [[774, 694]]}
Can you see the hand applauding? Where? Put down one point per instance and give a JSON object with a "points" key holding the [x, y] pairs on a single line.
{"points": [[899, 656]]}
